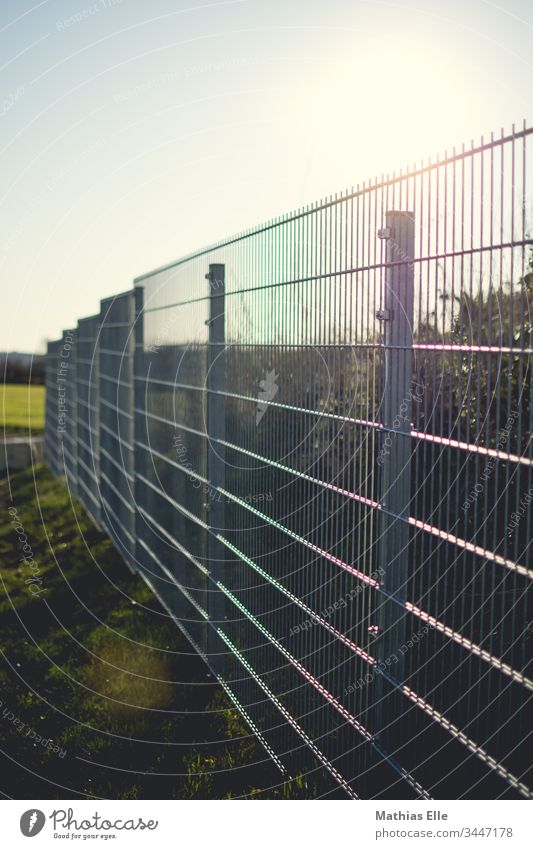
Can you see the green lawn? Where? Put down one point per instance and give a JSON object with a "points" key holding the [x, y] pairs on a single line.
{"points": [[22, 406], [91, 662]]}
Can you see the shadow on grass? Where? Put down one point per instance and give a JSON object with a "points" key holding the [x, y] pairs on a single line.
{"points": [[100, 693]]}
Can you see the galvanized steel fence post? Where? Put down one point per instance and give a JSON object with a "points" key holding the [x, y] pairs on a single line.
{"points": [[396, 316], [216, 433]]}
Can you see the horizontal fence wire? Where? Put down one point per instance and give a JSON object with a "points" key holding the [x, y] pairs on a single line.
{"points": [[313, 441]]}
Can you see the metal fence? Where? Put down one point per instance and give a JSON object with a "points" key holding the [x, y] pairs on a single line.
{"points": [[313, 442], [116, 350]]}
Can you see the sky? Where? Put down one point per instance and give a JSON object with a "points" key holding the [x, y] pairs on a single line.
{"points": [[133, 132]]}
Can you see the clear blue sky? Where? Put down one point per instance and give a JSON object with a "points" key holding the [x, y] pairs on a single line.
{"points": [[134, 132]]}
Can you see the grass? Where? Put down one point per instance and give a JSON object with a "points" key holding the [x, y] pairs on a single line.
{"points": [[22, 408], [92, 664]]}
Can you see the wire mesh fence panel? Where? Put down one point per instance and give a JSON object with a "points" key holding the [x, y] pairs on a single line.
{"points": [[332, 472], [51, 435], [60, 435], [170, 459], [88, 403], [69, 408], [115, 350]]}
